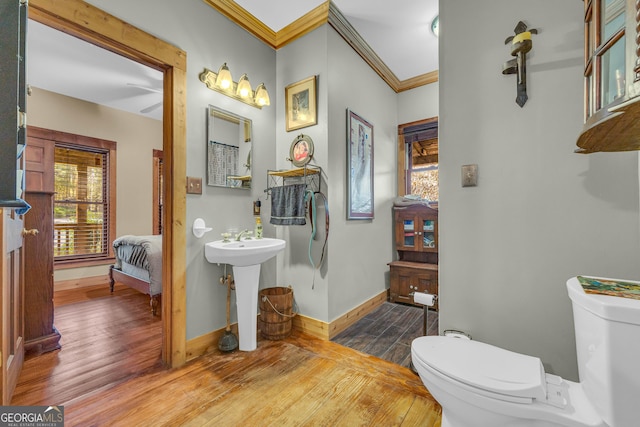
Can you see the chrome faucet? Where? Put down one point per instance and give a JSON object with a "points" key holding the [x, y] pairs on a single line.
{"points": [[242, 233]]}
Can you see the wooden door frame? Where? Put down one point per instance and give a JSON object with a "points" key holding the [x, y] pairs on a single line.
{"points": [[95, 26], [157, 171]]}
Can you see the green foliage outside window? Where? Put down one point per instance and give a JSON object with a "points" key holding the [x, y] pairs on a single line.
{"points": [[80, 203]]}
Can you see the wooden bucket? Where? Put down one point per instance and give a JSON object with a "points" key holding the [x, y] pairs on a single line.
{"points": [[276, 312]]}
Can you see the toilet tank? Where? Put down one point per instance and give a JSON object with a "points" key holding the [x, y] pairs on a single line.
{"points": [[608, 347]]}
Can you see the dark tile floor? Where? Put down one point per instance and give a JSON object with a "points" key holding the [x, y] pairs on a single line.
{"points": [[387, 332]]}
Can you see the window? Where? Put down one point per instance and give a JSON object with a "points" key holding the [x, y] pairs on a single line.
{"points": [[418, 149], [83, 207], [423, 176]]}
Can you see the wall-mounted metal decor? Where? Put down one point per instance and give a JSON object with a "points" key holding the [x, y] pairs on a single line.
{"points": [[520, 45], [301, 150]]}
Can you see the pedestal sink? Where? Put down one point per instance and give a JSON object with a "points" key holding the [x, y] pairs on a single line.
{"points": [[245, 256]]}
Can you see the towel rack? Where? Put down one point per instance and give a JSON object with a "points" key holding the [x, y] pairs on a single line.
{"points": [[309, 175]]}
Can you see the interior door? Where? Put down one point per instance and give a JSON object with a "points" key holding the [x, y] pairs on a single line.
{"points": [[12, 304]]}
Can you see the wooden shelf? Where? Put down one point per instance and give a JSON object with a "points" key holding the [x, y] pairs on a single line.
{"points": [[620, 131], [291, 173], [416, 265], [308, 175]]}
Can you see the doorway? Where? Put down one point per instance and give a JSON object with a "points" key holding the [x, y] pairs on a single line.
{"points": [[416, 217], [93, 25]]}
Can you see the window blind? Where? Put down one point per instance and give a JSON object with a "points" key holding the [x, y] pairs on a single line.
{"points": [[81, 214]]}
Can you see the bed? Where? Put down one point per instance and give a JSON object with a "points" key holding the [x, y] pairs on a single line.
{"points": [[139, 265]]}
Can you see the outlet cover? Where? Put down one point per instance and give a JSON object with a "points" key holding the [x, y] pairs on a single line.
{"points": [[469, 175], [194, 185]]}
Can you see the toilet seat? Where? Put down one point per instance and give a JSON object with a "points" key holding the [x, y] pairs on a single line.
{"points": [[482, 368], [476, 382]]}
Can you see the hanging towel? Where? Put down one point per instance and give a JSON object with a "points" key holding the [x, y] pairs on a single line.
{"points": [[287, 205], [24, 208]]}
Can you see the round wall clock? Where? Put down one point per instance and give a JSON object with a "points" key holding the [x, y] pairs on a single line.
{"points": [[301, 150]]}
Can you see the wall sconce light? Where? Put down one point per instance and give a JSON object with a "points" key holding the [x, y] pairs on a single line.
{"points": [[520, 44], [244, 87], [224, 79], [223, 82]]}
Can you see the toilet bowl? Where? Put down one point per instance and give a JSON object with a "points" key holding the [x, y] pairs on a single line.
{"points": [[481, 385]]}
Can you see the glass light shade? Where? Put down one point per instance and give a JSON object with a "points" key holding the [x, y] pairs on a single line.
{"points": [[262, 96], [224, 79], [435, 26], [244, 87]]}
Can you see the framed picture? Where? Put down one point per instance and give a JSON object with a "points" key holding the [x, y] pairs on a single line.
{"points": [[359, 167], [300, 104]]}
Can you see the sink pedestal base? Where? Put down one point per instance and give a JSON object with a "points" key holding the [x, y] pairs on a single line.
{"points": [[247, 283]]}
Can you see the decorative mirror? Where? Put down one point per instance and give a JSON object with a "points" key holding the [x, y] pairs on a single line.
{"points": [[228, 149], [301, 150]]}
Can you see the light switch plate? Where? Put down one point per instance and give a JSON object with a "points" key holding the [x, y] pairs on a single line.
{"points": [[194, 185], [469, 175]]}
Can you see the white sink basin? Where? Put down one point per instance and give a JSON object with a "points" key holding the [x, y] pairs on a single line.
{"points": [[244, 252], [245, 256]]}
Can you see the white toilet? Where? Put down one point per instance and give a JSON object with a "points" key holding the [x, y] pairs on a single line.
{"points": [[478, 384]]}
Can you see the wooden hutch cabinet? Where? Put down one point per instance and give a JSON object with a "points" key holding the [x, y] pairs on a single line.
{"points": [[40, 334], [416, 240], [611, 76]]}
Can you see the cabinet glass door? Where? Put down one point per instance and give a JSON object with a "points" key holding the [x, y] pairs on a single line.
{"points": [[611, 44], [612, 65], [409, 233], [605, 51], [611, 17], [429, 234]]}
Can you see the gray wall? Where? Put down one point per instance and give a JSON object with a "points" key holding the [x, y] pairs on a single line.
{"points": [[540, 213], [296, 61], [359, 249], [355, 267], [210, 40], [419, 103]]}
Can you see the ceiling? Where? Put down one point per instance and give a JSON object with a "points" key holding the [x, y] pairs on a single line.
{"points": [[398, 31]]}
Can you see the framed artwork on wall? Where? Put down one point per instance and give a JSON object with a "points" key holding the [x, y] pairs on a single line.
{"points": [[300, 104], [359, 167]]}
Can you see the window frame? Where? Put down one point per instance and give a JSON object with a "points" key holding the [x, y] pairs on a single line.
{"points": [[81, 142]]}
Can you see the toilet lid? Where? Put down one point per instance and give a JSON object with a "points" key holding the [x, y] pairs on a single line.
{"points": [[483, 366]]}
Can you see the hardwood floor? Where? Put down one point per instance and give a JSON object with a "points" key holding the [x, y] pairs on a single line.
{"points": [[105, 339], [297, 381], [387, 332]]}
